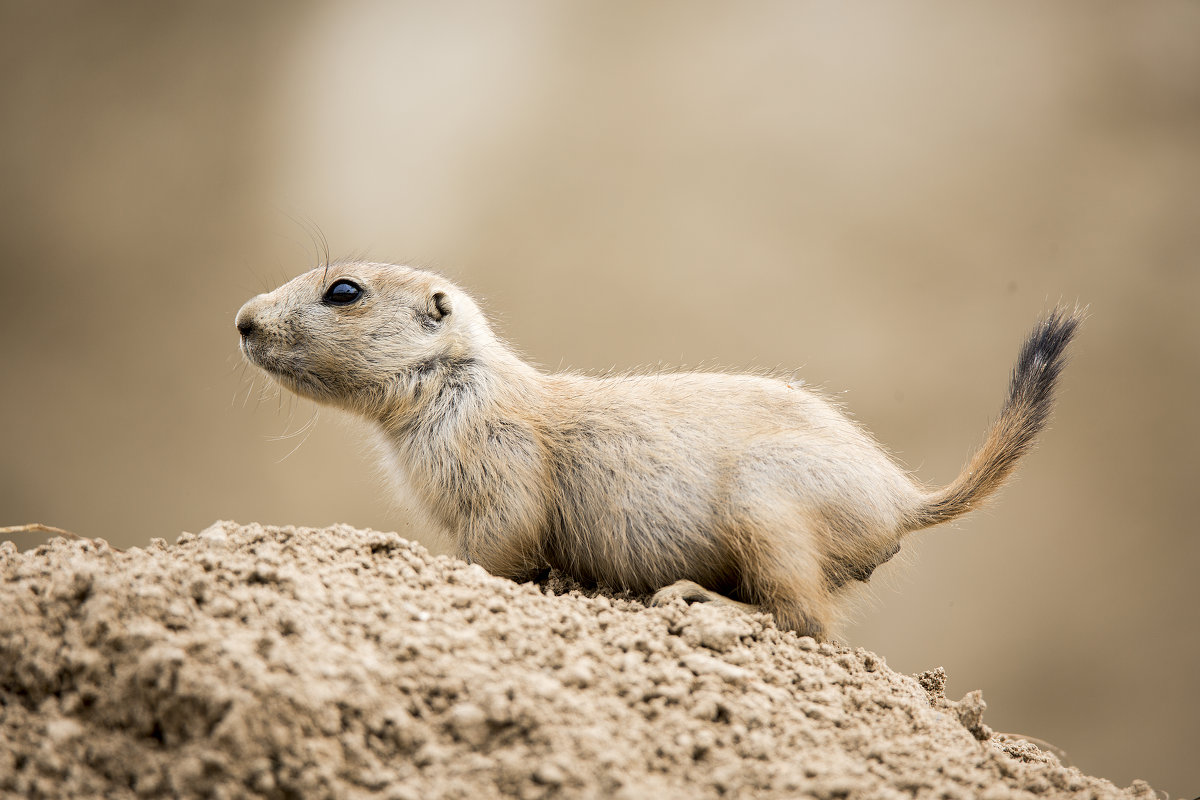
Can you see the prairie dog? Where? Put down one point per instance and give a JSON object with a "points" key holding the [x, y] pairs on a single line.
{"points": [[726, 487]]}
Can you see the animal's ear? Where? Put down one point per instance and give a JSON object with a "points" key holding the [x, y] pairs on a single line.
{"points": [[439, 306]]}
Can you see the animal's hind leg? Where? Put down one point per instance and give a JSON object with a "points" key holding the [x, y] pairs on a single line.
{"points": [[789, 585], [782, 578], [692, 592]]}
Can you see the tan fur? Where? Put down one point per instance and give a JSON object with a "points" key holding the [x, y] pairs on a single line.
{"points": [[750, 488]]}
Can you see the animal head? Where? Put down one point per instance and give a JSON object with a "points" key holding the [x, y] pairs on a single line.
{"points": [[358, 335]]}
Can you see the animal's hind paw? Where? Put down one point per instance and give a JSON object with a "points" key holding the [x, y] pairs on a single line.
{"points": [[687, 591]]}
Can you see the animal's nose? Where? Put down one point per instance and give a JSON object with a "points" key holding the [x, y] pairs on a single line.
{"points": [[245, 322]]}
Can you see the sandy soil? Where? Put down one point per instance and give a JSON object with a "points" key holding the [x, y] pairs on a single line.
{"points": [[250, 661]]}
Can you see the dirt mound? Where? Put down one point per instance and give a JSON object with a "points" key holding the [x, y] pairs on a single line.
{"points": [[281, 662]]}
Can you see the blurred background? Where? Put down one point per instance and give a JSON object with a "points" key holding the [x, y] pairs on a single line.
{"points": [[882, 198]]}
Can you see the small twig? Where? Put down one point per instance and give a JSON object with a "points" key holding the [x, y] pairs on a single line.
{"points": [[37, 527]]}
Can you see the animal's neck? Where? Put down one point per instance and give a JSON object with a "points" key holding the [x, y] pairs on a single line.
{"points": [[458, 389], [440, 442]]}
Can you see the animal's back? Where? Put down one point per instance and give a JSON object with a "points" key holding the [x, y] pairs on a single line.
{"points": [[654, 474]]}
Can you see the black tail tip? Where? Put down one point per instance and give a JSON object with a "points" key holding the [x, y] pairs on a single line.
{"points": [[1043, 354]]}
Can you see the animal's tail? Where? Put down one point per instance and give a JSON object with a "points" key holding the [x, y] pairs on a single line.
{"points": [[1030, 396]]}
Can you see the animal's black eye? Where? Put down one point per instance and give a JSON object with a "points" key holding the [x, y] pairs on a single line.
{"points": [[342, 293]]}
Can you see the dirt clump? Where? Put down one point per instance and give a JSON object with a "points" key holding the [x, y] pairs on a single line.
{"points": [[249, 661]]}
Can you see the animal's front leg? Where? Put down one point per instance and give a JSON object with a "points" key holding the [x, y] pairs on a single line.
{"points": [[509, 551]]}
